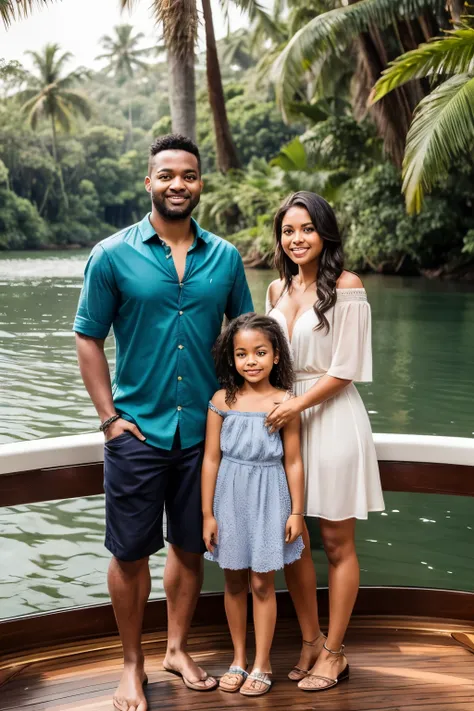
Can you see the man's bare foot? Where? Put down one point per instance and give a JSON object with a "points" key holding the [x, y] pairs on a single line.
{"points": [[130, 695], [193, 675]]}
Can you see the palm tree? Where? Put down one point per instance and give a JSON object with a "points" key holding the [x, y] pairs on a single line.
{"points": [[122, 53], [360, 22], [443, 125], [179, 20], [124, 58], [50, 95]]}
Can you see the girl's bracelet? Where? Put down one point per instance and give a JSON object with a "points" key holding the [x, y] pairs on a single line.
{"points": [[297, 514]]}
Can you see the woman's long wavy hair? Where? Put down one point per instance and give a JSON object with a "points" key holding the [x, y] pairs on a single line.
{"points": [[331, 260], [281, 375]]}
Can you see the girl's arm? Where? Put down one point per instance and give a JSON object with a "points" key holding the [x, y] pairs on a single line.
{"points": [[295, 476], [210, 468]]}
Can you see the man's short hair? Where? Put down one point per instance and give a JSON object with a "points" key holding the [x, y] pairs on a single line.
{"points": [[174, 142]]}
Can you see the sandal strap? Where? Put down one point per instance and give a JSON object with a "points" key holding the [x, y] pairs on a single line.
{"points": [[238, 671], [323, 678], [332, 651], [264, 677], [313, 643]]}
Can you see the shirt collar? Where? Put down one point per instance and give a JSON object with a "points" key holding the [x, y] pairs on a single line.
{"points": [[147, 230]]}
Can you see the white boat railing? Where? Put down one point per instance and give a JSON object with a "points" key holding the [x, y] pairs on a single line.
{"points": [[82, 449]]}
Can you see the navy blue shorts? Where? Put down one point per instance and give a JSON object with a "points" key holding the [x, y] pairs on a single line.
{"points": [[139, 482]]}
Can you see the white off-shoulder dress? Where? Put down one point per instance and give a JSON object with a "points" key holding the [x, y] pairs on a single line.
{"points": [[341, 468]]}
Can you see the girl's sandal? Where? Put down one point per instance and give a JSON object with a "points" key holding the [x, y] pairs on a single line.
{"points": [[236, 676], [260, 678], [296, 674], [308, 683]]}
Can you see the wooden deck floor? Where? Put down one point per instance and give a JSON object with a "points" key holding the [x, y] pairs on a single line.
{"points": [[395, 665]]}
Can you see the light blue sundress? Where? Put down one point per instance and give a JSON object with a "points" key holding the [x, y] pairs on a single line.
{"points": [[252, 501]]}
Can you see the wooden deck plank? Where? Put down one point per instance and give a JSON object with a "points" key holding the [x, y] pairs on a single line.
{"points": [[392, 669]]}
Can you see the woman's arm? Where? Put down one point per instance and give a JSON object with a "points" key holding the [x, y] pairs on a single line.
{"points": [[326, 388], [210, 468], [295, 476]]}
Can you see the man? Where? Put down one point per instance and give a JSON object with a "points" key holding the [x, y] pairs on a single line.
{"points": [[164, 285]]}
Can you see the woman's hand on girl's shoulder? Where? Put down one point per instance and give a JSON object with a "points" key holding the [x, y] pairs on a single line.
{"points": [[349, 280], [282, 413]]}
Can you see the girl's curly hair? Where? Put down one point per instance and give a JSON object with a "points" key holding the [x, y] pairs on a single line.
{"points": [[281, 375]]}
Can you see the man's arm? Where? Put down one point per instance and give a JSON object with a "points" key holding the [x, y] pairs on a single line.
{"points": [[96, 376], [96, 311]]}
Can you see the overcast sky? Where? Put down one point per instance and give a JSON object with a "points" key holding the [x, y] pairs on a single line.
{"points": [[77, 26]]}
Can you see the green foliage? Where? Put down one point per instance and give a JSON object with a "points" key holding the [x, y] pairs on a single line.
{"points": [[443, 125], [21, 227], [342, 143], [332, 33], [256, 127], [380, 235]]}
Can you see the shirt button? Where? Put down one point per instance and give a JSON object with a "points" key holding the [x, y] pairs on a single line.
{"points": [[179, 377], [180, 284], [181, 313], [179, 407], [180, 348]]}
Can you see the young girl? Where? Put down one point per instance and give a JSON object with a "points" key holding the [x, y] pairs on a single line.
{"points": [[252, 487]]}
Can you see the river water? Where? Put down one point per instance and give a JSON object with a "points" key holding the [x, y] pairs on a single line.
{"points": [[51, 554]]}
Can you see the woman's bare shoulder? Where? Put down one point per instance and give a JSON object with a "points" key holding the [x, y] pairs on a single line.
{"points": [[275, 290], [349, 280]]}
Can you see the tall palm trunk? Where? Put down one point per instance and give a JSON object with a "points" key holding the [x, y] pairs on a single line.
{"points": [[182, 93], [180, 20], [393, 114], [58, 163], [227, 157]]}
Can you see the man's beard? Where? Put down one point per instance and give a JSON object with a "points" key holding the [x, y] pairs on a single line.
{"points": [[179, 212]]}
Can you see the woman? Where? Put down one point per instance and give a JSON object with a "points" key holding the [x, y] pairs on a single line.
{"points": [[326, 317]]}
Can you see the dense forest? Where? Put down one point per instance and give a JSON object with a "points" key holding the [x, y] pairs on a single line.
{"points": [[368, 102]]}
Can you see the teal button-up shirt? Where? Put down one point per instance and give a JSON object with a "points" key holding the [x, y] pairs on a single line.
{"points": [[164, 330]]}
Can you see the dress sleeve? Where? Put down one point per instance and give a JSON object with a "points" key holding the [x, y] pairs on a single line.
{"points": [[268, 303], [352, 337], [215, 409]]}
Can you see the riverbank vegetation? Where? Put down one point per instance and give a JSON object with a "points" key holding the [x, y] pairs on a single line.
{"points": [[368, 102]]}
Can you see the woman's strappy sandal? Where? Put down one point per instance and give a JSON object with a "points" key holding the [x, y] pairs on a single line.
{"points": [[257, 677], [311, 678], [297, 673], [236, 676]]}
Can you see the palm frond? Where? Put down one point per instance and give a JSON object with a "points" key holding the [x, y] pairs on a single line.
{"points": [[78, 102], [442, 56], [332, 32], [11, 10], [442, 129], [63, 115], [179, 19]]}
